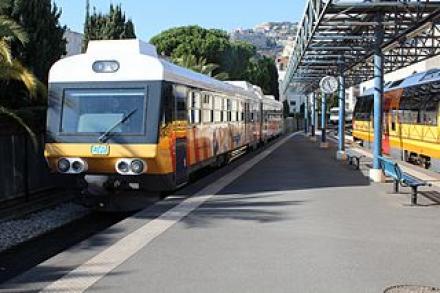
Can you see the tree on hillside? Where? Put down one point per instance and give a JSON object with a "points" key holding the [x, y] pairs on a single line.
{"points": [[12, 69], [192, 40], [46, 43], [200, 65], [263, 72], [111, 26], [239, 60]]}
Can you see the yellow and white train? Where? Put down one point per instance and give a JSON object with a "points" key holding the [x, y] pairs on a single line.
{"points": [[411, 129], [121, 118]]}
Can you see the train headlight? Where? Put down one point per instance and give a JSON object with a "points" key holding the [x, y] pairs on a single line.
{"points": [[123, 167], [73, 166], [78, 167], [130, 167], [137, 166], [106, 66], [63, 165]]}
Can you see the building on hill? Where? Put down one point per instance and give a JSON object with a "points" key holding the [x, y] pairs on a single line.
{"points": [[74, 42], [269, 38]]}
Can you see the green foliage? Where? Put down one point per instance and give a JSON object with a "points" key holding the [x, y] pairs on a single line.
{"points": [[200, 65], [263, 72], [233, 60], [192, 40], [237, 60], [111, 26], [45, 43], [12, 69]]}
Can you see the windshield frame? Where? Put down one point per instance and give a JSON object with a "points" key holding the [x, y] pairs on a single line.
{"points": [[144, 112]]}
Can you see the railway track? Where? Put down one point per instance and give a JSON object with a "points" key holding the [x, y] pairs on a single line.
{"points": [[29, 254]]}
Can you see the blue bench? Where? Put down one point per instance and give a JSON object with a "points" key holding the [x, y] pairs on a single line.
{"points": [[354, 158], [392, 169]]}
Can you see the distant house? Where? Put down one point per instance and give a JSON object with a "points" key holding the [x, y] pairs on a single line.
{"points": [[74, 42]]}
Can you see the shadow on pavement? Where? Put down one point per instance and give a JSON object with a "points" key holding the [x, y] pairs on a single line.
{"points": [[297, 165]]}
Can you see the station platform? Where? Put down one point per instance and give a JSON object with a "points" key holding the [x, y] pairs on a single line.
{"points": [[290, 218]]}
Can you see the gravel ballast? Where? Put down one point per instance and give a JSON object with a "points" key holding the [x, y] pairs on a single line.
{"points": [[14, 232]]}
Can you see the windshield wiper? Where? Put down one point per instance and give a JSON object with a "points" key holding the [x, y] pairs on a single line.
{"points": [[108, 133]]}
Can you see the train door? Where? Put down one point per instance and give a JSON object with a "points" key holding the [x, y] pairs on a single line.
{"points": [[180, 131], [247, 120], [386, 126], [393, 121]]}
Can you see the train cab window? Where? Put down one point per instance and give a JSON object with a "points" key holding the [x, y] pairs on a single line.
{"points": [[194, 110], [94, 111]]}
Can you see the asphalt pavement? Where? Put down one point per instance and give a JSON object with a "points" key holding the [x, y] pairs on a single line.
{"points": [[291, 219]]}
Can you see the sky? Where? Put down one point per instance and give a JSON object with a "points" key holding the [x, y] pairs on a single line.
{"points": [[152, 17]]}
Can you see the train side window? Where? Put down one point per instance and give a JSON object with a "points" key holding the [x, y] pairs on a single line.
{"points": [[430, 111], [208, 105], [234, 113], [410, 105], [394, 117], [180, 93], [218, 108], [240, 111], [228, 110], [194, 110], [247, 112], [168, 106]]}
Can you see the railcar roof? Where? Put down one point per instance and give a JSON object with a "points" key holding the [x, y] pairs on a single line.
{"points": [[413, 80], [139, 61]]}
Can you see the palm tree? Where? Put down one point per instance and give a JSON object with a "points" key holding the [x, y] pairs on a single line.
{"points": [[200, 65], [12, 69]]}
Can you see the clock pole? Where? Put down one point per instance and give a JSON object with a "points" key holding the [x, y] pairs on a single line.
{"points": [[324, 143]]}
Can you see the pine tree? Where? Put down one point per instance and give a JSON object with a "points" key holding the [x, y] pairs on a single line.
{"points": [[111, 26], [46, 45]]}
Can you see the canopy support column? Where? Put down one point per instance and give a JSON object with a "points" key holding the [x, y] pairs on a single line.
{"points": [[306, 115], [313, 114], [376, 174], [324, 143], [341, 123]]}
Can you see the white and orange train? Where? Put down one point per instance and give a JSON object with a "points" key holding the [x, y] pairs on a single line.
{"points": [[121, 118]]}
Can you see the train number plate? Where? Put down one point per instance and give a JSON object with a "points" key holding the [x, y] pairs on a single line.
{"points": [[100, 150]]}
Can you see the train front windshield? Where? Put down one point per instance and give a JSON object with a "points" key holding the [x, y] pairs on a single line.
{"points": [[98, 111]]}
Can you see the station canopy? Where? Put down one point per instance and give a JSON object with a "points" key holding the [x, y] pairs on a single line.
{"points": [[342, 36]]}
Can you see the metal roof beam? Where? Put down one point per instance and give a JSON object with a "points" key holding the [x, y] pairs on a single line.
{"points": [[331, 29], [328, 48]]}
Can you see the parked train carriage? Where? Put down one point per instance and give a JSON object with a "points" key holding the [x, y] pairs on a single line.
{"points": [[120, 118], [411, 129], [273, 122]]}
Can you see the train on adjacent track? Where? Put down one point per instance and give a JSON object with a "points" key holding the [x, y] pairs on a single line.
{"points": [[411, 121], [122, 119]]}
